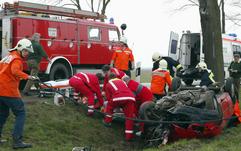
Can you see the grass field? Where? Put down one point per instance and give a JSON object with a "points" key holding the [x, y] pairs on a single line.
{"points": [[52, 128]]}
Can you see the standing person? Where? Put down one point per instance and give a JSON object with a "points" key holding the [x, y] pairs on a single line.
{"points": [[33, 61], [160, 77], [206, 75], [118, 95], [171, 63], [87, 85], [11, 73], [122, 56], [235, 73]]}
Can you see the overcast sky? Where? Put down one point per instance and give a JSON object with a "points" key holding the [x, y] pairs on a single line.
{"points": [[149, 23]]}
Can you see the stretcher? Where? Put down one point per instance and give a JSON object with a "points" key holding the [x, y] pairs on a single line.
{"points": [[50, 87]]}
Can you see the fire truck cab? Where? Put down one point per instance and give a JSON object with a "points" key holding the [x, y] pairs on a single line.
{"points": [[190, 53], [73, 39]]}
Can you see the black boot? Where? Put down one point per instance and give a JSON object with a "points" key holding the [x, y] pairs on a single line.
{"points": [[18, 143]]}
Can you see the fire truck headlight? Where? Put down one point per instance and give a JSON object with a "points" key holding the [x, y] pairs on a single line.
{"points": [[49, 43], [71, 44], [89, 45]]}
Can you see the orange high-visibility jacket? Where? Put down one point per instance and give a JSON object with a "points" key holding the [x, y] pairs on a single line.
{"points": [[121, 58], [11, 72], [159, 80]]}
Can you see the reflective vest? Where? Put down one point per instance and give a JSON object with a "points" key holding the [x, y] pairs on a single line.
{"points": [[117, 90], [11, 72], [159, 80], [121, 58]]}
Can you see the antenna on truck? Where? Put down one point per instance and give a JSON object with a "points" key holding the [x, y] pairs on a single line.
{"points": [[19, 6]]}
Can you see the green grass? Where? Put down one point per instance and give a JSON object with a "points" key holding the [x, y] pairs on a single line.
{"points": [[52, 128], [228, 141]]}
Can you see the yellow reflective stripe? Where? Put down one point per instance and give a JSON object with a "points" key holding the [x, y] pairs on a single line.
{"points": [[178, 66], [211, 75], [118, 51]]}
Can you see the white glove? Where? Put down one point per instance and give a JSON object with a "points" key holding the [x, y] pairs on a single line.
{"points": [[33, 78]]}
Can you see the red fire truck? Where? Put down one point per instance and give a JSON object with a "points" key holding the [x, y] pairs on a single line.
{"points": [[73, 39]]}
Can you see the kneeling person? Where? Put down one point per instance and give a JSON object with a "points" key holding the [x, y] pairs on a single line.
{"points": [[87, 85], [118, 95]]}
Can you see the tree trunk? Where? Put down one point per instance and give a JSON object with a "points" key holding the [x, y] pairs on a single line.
{"points": [[104, 6], [223, 16], [212, 38]]}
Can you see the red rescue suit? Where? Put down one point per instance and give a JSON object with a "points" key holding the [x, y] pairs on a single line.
{"points": [[142, 94], [119, 74], [118, 95], [87, 85]]}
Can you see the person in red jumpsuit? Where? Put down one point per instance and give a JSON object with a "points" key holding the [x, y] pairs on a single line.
{"points": [[106, 69], [87, 85], [142, 94], [118, 95]]}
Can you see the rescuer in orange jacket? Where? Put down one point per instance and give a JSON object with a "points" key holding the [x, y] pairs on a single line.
{"points": [[11, 73], [122, 56], [118, 95], [160, 77], [106, 69], [87, 85]]}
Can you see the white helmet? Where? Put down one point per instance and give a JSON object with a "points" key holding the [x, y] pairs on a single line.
{"points": [[123, 40], [163, 64], [156, 56], [59, 99], [202, 65], [23, 44]]}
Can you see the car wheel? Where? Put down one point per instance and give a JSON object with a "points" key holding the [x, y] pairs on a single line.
{"points": [[188, 82], [146, 110], [176, 83], [59, 71]]}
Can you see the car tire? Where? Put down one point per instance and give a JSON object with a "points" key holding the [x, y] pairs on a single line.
{"points": [[176, 84], [188, 82], [229, 87], [59, 71], [145, 110]]}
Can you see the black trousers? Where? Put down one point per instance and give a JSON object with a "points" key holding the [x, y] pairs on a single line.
{"points": [[236, 82]]}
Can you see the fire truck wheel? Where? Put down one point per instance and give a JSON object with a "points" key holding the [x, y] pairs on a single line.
{"points": [[59, 71]]}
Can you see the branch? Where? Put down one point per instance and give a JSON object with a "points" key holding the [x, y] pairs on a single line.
{"points": [[184, 7], [193, 2], [235, 21], [68, 5]]}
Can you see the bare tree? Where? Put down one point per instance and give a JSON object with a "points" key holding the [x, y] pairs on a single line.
{"points": [[212, 37], [90, 3], [211, 31], [235, 16]]}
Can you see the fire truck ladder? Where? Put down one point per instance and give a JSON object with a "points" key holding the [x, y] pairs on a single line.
{"points": [[19, 6]]}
